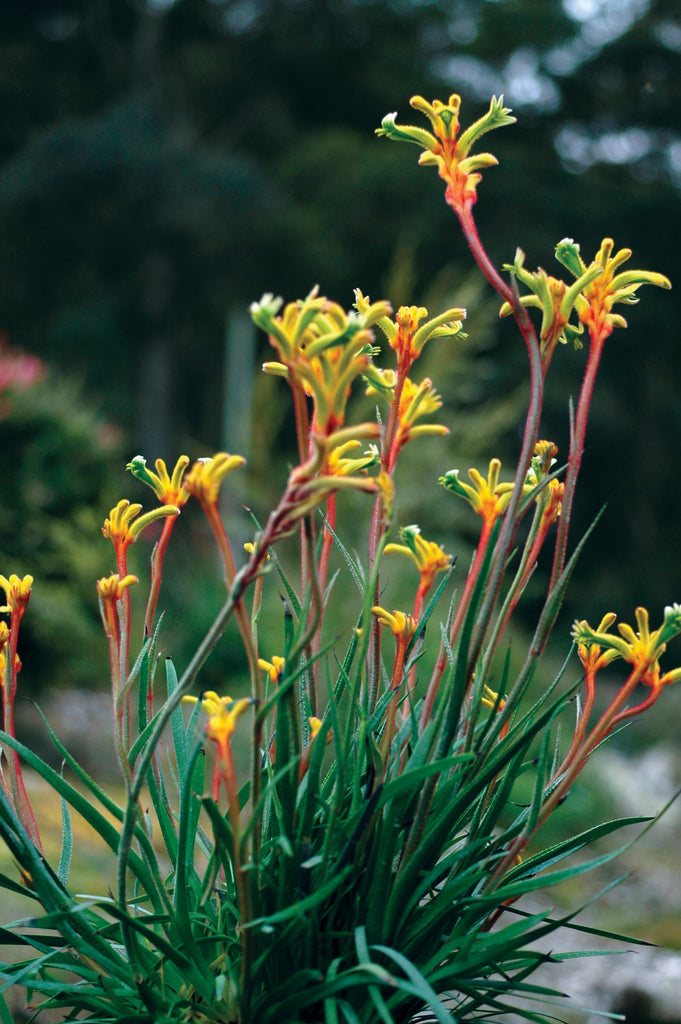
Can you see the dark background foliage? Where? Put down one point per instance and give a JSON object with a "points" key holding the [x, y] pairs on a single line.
{"points": [[162, 164]]}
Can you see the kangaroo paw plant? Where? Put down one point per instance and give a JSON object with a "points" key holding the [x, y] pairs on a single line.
{"points": [[372, 827]]}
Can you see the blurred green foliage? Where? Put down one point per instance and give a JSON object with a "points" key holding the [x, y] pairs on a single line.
{"points": [[162, 163], [57, 460]]}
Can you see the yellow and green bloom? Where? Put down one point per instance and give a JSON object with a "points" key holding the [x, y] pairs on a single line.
{"points": [[428, 557], [167, 488], [641, 648], [405, 335], [486, 496], [445, 150], [205, 477], [124, 524]]}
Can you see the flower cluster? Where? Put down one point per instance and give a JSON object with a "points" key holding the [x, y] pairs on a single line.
{"points": [[362, 841]]}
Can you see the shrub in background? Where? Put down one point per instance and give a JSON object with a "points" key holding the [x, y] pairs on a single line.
{"points": [[57, 461]]}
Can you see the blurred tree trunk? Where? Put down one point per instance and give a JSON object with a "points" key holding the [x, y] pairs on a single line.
{"points": [[154, 395]]}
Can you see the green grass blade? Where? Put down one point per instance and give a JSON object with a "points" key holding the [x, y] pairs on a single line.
{"points": [[66, 844]]}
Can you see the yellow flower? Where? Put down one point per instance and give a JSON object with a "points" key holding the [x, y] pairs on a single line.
{"points": [[17, 592], [442, 148], [555, 299], [223, 713], [404, 334], [385, 486], [490, 699], [487, 497], [223, 719], [4, 637], [206, 475], [321, 349], [168, 489], [429, 557], [419, 400], [590, 654], [338, 465], [400, 624], [111, 588], [124, 524], [315, 725], [600, 287], [250, 547], [641, 648], [416, 400], [275, 668]]}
